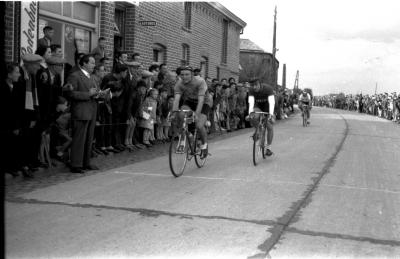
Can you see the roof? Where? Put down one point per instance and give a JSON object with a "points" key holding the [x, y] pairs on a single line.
{"points": [[222, 9], [248, 45]]}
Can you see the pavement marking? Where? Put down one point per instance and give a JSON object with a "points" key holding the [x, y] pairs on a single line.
{"points": [[360, 188], [145, 173]]}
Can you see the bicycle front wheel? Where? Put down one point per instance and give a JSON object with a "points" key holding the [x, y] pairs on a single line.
{"points": [[256, 146], [304, 119], [178, 154], [199, 162]]}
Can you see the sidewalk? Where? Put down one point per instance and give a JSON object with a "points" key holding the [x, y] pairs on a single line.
{"points": [[60, 173]]}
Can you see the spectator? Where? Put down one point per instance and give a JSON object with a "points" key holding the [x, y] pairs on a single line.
{"points": [[13, 96], [83, 114], [137, 99], [77, 67], [56, 68], [148, 116], [56, 50], [99, 52], [136, 57], [48, 37], [197, 72], [30, 133], [162, 102], [62, 128], [114, 81]]}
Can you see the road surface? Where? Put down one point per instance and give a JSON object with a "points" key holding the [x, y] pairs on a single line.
{"points": [[330, 190]]}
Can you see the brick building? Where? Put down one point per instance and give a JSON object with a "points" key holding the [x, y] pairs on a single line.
{"points": [[201, 34], [256, 63]]}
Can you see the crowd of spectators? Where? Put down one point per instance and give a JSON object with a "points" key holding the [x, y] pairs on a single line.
{"points": [[58, 112], [384, 105]]}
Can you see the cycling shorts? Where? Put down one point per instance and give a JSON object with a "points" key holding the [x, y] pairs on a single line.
{"points": [[193, 105]]}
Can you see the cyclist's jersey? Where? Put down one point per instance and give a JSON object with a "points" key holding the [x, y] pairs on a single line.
{"points": [[191, 91], [305, 100], [261, 97]]}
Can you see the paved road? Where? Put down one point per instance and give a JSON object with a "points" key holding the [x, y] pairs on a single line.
{"points": [[330, 190]]}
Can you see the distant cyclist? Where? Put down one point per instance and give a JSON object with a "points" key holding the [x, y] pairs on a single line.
{"points": [[305, 99], [261, 98], [193, 92]]}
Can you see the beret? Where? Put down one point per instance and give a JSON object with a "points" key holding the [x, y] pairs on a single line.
{"points": [[32, 58]]}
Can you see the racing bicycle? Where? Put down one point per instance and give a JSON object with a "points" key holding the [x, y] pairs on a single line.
{"points": [[185, 145]]}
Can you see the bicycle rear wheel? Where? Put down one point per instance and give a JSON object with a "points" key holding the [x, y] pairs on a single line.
{"points": [[199, 162], [256, 146], [178, 153]]}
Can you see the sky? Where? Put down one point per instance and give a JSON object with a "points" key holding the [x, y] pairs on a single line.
{"points": [[337, 46]]}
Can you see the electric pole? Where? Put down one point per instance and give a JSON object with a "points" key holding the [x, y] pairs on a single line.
{"points": [[274, 70]]}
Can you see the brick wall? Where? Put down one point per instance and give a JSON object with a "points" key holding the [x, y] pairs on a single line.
{"points": [[107, 10], [204, 38], [130, 14], [9, 32]]}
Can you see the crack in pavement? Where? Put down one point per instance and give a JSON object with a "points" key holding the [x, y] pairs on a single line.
{"points": [[291, 215], [157, 213], [141, 211]]}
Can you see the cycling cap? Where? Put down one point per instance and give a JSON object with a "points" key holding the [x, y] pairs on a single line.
{"points": [[186, 68]]}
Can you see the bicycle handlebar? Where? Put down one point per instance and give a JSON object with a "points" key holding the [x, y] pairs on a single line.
{"points": [[266, 113]]}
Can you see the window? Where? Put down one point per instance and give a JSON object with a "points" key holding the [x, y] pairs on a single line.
{"points": [[84, 12], [119, 19], [77, 10], [204, 66], [159, 53], [70, 37], [188, 15], [74, 25], [224, 56], [119, 28], [185, 55], [54, 7]]}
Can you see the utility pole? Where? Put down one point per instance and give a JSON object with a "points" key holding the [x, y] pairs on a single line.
{"points": [[376, 87], [274, 70]]}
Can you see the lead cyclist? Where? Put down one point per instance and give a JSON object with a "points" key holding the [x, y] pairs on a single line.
{"points": [[193, 92]]}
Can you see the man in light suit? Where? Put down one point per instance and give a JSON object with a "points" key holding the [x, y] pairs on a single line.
{"points": [[83, 114]]}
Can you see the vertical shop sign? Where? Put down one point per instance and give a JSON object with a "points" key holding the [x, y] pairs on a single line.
{"points": [[29, 16]]}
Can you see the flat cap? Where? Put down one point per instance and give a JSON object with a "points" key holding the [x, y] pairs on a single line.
{"points": [[132, 64], [146, 73], [55, 60], [32, 58]]}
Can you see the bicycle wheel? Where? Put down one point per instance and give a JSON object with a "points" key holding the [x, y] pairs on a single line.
{"points": [[178, 152], [304, 119], [256, 146], [199, 162]]}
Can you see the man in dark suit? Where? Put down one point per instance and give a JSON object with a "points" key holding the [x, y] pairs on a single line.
{"points": [[83, 115]]}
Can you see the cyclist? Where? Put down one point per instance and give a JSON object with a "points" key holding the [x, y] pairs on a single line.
{"points": [[261, 98], [193, 92], [305, 99]]}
